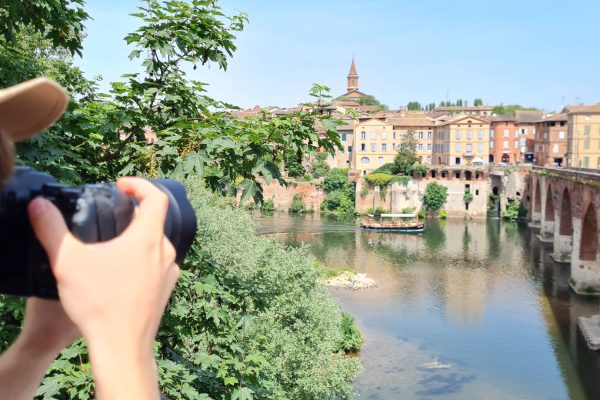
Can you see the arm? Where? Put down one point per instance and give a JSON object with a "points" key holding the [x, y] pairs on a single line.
{"points": [[46, 331], [115, 291]]}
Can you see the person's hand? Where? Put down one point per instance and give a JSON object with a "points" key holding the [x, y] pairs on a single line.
{"points": [[115, 291]]}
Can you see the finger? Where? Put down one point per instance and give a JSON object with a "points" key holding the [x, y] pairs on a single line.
{"points": [[153, 203], [169, 252], [49, 227]]}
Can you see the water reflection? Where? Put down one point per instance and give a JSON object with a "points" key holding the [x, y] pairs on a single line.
{"points": [[482, 298]]}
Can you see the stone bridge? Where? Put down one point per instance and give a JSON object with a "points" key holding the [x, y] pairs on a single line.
{"points": [[565, 205]]}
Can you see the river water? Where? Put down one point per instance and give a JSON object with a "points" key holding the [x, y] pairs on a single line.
{"points": [[467, 310]]}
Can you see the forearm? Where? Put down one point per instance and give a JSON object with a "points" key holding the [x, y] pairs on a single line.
{"points": [[123, 371], [22, 368]]}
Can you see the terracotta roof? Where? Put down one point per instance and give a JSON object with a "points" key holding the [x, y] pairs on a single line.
{"points": [[462, 116], [352, 69], [465, 108], [528, 116], [504, 118], [594, 108], [556, 117], [411, 122]]}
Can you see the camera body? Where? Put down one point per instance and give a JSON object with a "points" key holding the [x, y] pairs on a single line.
{"points": [[93, 213]]}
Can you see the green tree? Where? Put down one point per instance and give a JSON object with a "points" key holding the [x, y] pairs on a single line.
{"points": [[435, 196], [477, 102], [368, 100], [414, 106], [405, 160], [511, 108]]}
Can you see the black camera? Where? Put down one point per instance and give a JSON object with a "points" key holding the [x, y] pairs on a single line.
{"points": [[93, 213]]}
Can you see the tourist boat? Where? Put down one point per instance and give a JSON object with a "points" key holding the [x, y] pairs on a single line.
{"points": [[408, 223]]}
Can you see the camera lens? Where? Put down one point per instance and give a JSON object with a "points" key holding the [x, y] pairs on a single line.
{"points": [[180, 222]]}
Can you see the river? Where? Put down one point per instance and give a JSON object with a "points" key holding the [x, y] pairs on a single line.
{"points": [[467, 310]]}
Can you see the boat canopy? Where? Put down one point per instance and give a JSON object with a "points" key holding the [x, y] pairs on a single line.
{"points": [[398, 215]]}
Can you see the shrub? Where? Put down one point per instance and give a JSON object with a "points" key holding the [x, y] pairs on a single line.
{"points": [[268, 205], [407, 210], [351, 337], [336, 179], [443, 214], [403, 180], [385, 169], [338, 201], [297, 206], [380, 179], [376, 212], [435, 196], [320, 168], [422, 213], [468, 197], [307, 177], [515, 210]]}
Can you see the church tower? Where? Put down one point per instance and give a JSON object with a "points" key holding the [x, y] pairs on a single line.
{"points": [[352, 78]]}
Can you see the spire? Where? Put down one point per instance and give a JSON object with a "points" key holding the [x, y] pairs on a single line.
{"points": [[352, 77]]}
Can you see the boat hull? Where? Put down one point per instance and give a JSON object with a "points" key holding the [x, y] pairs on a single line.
{"points": [[400, 229]]}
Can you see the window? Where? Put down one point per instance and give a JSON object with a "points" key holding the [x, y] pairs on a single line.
{"points": [[428, 159], [587, 130], [516, 133], [363, 135], [505, 144], [516, 143], [373, 147], [379, 160], [492, 133], [480, 147], [383, 147], [343, 137], [555, 149], [365, 160], [480, 135], [546, 135], [457, 135], [429, 146], [561, 134], [457, 162], [420, 135], [524, 131], [420, 146], [588, 117], [428, 135], [458, 147], [394, 135], [469, 135], [586, 162], [469, 147], [491, 145], [586, 143], [374, 135], [506, 133], [383, 135], [363, 147], [523, 141]]}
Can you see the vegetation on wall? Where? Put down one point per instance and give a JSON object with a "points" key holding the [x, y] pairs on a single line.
{"points": [[297, 205], [435, 196], [406, 159], [339, 193], [515, 210]]}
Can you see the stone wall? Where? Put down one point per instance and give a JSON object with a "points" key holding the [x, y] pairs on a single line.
{"points": [[282, 196]]}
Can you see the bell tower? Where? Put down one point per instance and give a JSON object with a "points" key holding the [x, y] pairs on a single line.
{"points": [[352, 77]]}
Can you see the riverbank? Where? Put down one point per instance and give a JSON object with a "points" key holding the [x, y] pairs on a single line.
{"points": [[351, 281]]}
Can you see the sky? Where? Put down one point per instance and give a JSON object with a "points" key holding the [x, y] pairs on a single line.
{"points": [[539, 53]]}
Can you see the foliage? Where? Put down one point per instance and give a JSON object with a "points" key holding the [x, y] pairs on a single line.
{"points": [[403, 180], [443, 214], [351, 337], [268, 205], [294, 167], [406, 159], [297, 205], [247, 318], [336, 179], [422, 213], [307, 177], [320, 168], [385, 169], [378, 179], [511, 108], [368, 100], [338, 201], [339, 191], [59, 21], [376, 212], [468, 197], [414, 106], [515, 210], [435, 196], [407, 210], [477, 102], [419, 169]]}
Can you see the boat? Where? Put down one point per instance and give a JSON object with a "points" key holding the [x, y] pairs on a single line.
{"points": [[407, 223]]}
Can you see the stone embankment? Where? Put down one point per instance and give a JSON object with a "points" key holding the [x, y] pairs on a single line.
{"points": [[352, 281]]}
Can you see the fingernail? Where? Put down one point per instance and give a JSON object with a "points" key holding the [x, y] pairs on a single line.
{"points": [[37, 207]]}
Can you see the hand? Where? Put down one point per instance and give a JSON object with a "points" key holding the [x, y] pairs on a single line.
{"points": [[115, 291]]}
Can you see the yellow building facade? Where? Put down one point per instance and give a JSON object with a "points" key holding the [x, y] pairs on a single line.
{"points": [[464, 140], [583, 137]]}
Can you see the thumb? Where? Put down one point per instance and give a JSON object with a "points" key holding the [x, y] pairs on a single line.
{"points": [[49, 226]]}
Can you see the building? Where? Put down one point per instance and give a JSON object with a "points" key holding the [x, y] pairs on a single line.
{"points": [[512, 137], [343, 159], [463, 140], [583, 132], [350, 98], [422, 129], [483, 111], [551, 141], [374, 145]]}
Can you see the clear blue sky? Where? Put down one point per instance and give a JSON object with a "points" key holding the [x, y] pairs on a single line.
{"points": [[531, 52]]}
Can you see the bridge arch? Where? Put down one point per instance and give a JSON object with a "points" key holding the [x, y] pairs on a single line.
{"points": [[537, 201], [588, 248], [566, 219], [549, 211]]}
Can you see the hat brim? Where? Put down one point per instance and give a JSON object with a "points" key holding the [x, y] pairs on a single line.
{"points": [[31, 107]]}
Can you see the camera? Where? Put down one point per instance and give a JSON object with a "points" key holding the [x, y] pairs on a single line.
{"points": [[93, 213]]}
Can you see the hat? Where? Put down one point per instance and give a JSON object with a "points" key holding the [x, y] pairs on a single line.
{"points": [[30, 107]]}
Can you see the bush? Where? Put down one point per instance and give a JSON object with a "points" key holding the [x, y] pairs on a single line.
{"points": [[380, 179], [407, 210], [297, 206], [351, 337], [340, 193], [422, 213], [515, 210], [385, 169], [338, 201], [336, 179], [376, 212], [268, 205], [435, 196], [443, 214], [307, 177], [468, 197], [320, 168]]}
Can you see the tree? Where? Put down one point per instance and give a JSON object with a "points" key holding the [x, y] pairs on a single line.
{"points": [[511, 108], [477, 102], [414, 106], [405, 160], [435, 196], [368, 100]]}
